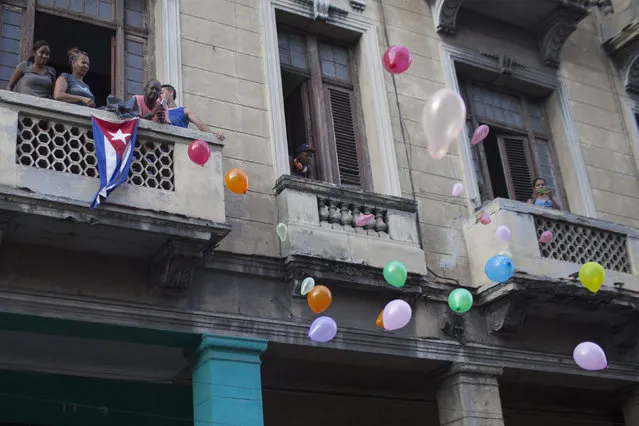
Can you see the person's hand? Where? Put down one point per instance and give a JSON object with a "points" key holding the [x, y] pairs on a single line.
{"points": [[299, 166], [88, 102], [219, 135], [158, 111]]}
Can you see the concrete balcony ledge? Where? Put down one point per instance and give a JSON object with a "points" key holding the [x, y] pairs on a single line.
{"points": [[321, 233], [541, 286], [577, 240], [48, 177]]}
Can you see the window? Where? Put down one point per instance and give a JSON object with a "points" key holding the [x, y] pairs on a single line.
{"points": [[320, 106], [115, 33], [518, 148]]}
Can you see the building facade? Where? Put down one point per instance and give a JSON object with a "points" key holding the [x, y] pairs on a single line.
{"points": [[175, 303]]}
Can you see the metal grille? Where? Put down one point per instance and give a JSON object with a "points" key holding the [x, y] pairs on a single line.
{"points": [[70, 149], [580, 244]]}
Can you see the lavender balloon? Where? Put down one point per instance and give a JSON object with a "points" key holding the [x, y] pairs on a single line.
{"points": [[396, 314], [590, 356], [503, 233], [323, 329]]}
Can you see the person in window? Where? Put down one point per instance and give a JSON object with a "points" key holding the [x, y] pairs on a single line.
{"points": [[181, 116], [71, 88], [149, 106], [542, 196], [300, 165], [33, 77]]}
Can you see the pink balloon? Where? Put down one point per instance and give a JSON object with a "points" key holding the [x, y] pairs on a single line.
{"points": [[458, 188], [503, 233], [396, 314], [363, 219], [199, 152], [397, 59], [443, 118], [590, 356], [546, 237], [480, 134], [484, 218]]}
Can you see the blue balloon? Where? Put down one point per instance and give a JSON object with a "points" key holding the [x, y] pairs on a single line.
{"points": [[499, 268]]}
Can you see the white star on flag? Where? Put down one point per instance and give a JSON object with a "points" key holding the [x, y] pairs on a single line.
{"points": [[119, 136]]}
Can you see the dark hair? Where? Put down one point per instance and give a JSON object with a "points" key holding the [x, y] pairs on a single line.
{"points": [[172, 89], [535, 181], [74, 52], [36, 46]]}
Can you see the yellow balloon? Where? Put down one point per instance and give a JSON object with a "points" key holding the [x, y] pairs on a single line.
{"points": [[592, 276]]}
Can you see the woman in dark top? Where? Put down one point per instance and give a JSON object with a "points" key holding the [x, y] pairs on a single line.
{"points": [[71, 87], [33, 77]]}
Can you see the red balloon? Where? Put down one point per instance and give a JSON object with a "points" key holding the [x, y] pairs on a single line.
{"points": [[199, 152], [397, 59]]}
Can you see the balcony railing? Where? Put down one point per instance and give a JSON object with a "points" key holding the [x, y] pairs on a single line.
{"points": [[576, 240], [170, 211], [321, 219]]}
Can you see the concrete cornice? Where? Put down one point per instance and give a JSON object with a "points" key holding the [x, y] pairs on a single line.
{"points": [[190, 322]]}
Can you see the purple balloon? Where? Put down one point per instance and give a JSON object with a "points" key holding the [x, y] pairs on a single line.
{"points": [[323, 329], [590, 356], [396, 314], [503, 233], [480, 134]]}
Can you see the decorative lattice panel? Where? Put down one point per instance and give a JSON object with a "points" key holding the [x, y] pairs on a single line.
{"points": [[581, 244], [70, 149]]}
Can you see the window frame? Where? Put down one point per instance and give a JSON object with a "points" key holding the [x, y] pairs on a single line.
{"points": [[322, 134], [503, 130], [122, 32]]}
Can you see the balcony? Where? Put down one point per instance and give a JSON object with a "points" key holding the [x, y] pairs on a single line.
{"points": [[324, 242], [541, 285], [620, 40], [550, 21], [170, 212]]}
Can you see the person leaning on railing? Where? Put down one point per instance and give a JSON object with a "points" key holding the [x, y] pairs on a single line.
{"points": [[71, 88], [33, 77]]}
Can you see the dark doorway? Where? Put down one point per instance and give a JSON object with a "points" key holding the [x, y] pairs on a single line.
{"points": [[63, 34]]}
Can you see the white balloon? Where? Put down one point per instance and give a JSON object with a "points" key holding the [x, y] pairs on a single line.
{"points": [[307, 286], [443, 118]]}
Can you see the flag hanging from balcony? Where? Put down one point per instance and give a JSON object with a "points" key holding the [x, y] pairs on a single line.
{"points": [[114, 144]]}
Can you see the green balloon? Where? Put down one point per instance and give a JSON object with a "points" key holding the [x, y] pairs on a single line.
{"points": [[460, 300], [395, 273]]}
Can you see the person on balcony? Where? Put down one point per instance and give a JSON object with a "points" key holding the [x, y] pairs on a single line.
{"points": [[542, 195], [149, 106], [33, 77], [300, 165], [71, 88], [181, 116]]}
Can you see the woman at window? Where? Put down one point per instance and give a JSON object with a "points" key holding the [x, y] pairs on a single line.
{"points": [[33, 77], [71, 88], [542, 196]]}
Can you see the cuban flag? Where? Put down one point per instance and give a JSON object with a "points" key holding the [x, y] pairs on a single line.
{"points": [[114, 144]]}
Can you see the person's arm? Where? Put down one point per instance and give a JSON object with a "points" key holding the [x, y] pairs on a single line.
{"points": [[556, 204], [15, 77], [60, 94], [530, 201], [191, 117]]}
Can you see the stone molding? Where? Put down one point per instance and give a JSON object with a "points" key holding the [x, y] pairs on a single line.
{"points": [[185, 321], [243, 349], [169, 44], [552, 32]]}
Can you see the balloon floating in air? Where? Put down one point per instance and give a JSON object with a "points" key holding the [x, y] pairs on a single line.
{"points": [[590, 356], [499, 268], [282, 231], [503, 232], [458, 188], [546, 237], [460, 300], [396, 314], [592, 276], [199, 152], [397, 59], [480, 134], [443, 118], [323, 329], [236, 180], [395, 273], [307, 286]]}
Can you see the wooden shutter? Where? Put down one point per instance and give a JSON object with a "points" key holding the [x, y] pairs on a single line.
{"points": [[517, 164], [343, 132]]}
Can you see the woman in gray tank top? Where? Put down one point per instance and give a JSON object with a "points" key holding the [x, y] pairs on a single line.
{"points": [[71, 88], [33, 77]]}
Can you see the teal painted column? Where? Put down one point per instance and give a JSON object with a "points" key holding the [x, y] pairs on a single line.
{"points": [[227, 382]]}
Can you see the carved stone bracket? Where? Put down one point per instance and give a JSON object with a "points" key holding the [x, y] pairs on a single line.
{"points": [[453, 326], [504, 318], [554, 32], [320, 9], [624, 336], [446, 15], [171, 269]]}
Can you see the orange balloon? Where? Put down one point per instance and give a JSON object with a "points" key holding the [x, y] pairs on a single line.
{"points": [[380, 320], [319, 299], [236, 180]]}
